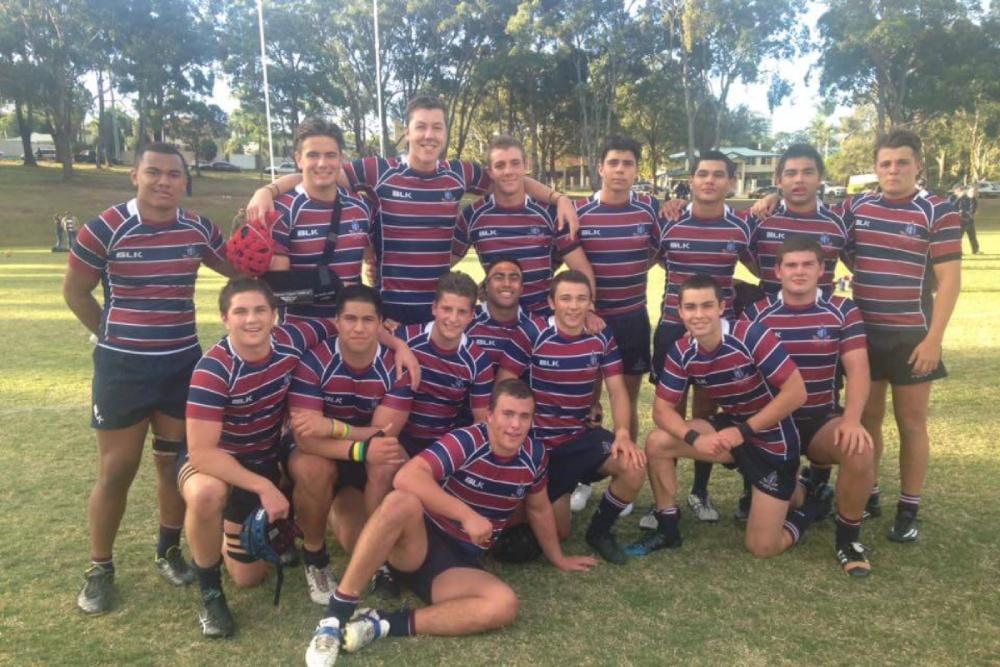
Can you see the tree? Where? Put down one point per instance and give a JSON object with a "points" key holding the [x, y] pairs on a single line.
{"points": [[198, 125]]}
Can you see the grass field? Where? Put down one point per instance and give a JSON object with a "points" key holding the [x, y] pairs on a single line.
{"points": [[934, 602]]}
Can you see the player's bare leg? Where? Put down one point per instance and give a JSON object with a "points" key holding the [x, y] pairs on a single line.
{"points": [[702, 407], [379, 484], [766, 535], [465, 601], [347, 517], [872, 419], [633, 384], [206, 498], [564, 516], [119, 454], [169, 500], [315, 477], [244, 575], [910, 405]]}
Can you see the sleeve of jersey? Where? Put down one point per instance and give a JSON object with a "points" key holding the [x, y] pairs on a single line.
{"points": [[517, 352], [400, 395], [656, 231], [362, 172], [209, 390], [852, 334], [447, 455], [302, 335], [946, 235], [282, 227], [90, 250], [611, 364], [476, 179], [673, 378], [215, 248], [482, 385], [460, 239], [305, 391], [769, 355], [540, 457]]}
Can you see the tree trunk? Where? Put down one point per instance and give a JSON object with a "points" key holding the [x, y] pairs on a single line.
{"points": [[99, 156], [24, 129]]}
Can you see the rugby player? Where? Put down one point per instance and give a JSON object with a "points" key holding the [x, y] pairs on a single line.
{"points": [[563, 363], [449, 503], [417, 201], [146, 253], [347, 378], [235, 412], [500, 314], [508, 223], [820, 334], [745, 370]]}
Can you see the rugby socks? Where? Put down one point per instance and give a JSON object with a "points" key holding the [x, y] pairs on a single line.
{"points": [[607, 511], [818, 476], [848, 530], [209, 578], [400, 622], [170, 536], [341, 606], [876, 496], [908, 503], [318, 559], [668, 521], [799, 519], [106, 564], [702, 473]]}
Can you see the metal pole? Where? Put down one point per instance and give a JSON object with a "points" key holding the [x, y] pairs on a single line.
{"points": [[378, 81], [267, 89]]}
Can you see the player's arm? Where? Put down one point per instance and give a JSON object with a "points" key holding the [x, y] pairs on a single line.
{"points": [[263, 198], [206, 457], [791, 396], [621, 415], [927, 354], [406, 361], [851, 435], [542, 520], [316, 434], [666, 417], [417, 477], [565, 210], [78, 291], [764, 207]]}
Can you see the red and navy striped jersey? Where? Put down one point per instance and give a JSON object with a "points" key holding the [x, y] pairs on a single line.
{"points": [[493, 486], [415, 221], [324, 382], [814, 335], [562, 370], [824, 226], [490, 334], [691, 245], [527, 233], [148, 274], [895, 245], [300, 234], [450, 380], [249, 397], [618, 242], [742, 376]]}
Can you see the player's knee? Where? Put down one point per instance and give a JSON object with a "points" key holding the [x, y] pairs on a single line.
{"points": [[657, 443], [247, 575], [381, 475], [911, 427], [858, 462], [763, 546], [399, 507], [205, 497], [501, 608], [312, 472], [633, 478]]}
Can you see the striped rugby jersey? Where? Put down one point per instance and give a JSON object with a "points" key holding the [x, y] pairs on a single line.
{"points": [[562, 370], [148, 273], [618, 242], [493, 486], [414, 221], [492, 335], [249, 397], [742, 376], [815, 336], [527, 233]]}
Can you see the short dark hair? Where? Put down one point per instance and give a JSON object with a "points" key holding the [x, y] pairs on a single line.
{"points": [[504, 259], [570, 276], [458, 283], [619, 142], [425, 102], [359, 292], [317, 127], [714, 156], [510, 387], [162, 148], [502, 142], [700, 281], [242, 284], [800, 151], [799, 243], [899, 138]]}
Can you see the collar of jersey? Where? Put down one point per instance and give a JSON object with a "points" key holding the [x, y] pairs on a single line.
{"points": [[133, 209], [819, 295], [486, 309], [430, 327]]}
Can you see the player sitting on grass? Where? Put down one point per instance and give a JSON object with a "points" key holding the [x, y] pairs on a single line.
{"points": [[820, 334], [235, 411], [450, 501], [747, 372], [563, 363]]}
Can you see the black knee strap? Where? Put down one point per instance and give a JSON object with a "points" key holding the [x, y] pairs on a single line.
{"points": [[167, 447]]}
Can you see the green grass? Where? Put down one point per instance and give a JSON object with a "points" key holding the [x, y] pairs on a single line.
{"points": [[930, 603]]}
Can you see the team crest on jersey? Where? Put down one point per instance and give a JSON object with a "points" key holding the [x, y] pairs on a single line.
{"points": [[457, 383], [190, 251], [594, 359], [448, 196], [739, 374], [770, 481], [519, 492], [640, 230], [822, 333], [731, 246], [910, 229], [535, 231], [824, 239], [355, 227]]}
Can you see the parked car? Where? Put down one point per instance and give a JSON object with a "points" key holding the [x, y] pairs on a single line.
{"points": [[45, 154], [836, 191], [642, 187], [763, 191], [89, 155], [988, 189], [284, 168], [221, 165]]}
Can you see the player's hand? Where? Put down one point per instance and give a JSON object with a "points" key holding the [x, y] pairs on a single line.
{"points": [[673, 209], [925, 357], [576, 563], [385, 450], [370, 270], [595, 417], [730, 438], [311, 424], [390, 325], [566, 216], [406, 362], [764, 207], [478, 528], [261, 205], [708, 443], [593, 323], [852, 437], [624, 449], [274, 502]]}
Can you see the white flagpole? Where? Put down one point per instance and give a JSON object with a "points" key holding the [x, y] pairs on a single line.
{"points": [[267, 89], [378, 80]]}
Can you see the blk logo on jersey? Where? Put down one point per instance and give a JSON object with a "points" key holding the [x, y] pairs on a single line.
{"points": [[473, 482], [128, 254], [548, 363], [590, 232], [243, 400], [399, 194], [306, 233]]}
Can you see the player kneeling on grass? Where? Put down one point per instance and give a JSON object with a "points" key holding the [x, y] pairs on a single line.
{"points": [[235, 411], [449, 503], [819, 333], [747, 372]]}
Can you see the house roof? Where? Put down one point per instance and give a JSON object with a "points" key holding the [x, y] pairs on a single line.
{"points": [[733, 152]]}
